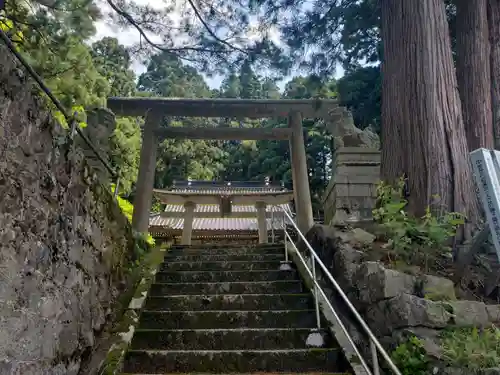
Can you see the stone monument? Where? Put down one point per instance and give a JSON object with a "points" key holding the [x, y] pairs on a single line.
{"points": [[351, 194]]}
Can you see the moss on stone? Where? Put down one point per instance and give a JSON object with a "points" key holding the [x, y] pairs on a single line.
{"points": [[140, 279]]}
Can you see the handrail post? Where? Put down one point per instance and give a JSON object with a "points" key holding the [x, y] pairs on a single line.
{"points": [[373, 349], [272, 223], [316, 302], [286, 239]]}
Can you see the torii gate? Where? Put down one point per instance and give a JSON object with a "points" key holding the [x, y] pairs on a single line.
{"points": [[154, 110]]}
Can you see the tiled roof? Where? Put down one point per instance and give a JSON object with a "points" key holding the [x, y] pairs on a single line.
{"points": [[227, 188], [214, 208], [224, 224]]}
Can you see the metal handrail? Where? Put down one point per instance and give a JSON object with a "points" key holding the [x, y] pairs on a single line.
{"points": [[375, 346]]}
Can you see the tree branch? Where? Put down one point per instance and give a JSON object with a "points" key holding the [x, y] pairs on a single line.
{"points": [[212, 34], [143, 34]]}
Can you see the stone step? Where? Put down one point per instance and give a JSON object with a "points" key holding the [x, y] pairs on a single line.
{"points": [[256, 287], [225, 339], [245, 302], [197, 266], [224, 276], [300, 360], [227, 319], [245, 373], [229, 251], [224, 258], [233, 246]]}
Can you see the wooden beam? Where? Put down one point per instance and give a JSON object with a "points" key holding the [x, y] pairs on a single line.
{"points": [[240, 108], [277, 134], [276, 198]]}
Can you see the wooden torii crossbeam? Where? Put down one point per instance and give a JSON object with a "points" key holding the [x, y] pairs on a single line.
{"points": [[221, 107]]}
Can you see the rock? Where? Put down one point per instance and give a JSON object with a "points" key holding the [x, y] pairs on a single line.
{"points": [[438, 288], [345, 264], [356, 237], [469, 313], [493, 313], [374, 282], [429, 337], [406, 310]]}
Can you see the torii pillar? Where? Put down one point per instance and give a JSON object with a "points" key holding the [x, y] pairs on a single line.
{"points": [[302, 194], [262, 222], [146, 176], [187, 229]]}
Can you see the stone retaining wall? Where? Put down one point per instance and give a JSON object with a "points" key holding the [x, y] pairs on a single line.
{"points": [[394, 304], [64, 241]]}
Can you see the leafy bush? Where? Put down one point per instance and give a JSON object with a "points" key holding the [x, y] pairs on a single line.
{"points": [[128, 209], [472, 348], [429, 234], [410, 358]]}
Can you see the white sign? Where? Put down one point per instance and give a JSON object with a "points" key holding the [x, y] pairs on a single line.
{"points": [[486, 168]]}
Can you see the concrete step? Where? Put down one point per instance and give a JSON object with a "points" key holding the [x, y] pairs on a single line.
{"points": [[196, 266], [225, 339], [224, 258], [301, 360], [245, 287], [227, 319], [224, 276], [219, 302], [228, 251]]}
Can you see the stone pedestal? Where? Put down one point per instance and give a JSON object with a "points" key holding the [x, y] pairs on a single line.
{"points": [[351, 194]]}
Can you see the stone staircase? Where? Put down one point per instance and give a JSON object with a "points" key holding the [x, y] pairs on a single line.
{"points": [[229, 310]]}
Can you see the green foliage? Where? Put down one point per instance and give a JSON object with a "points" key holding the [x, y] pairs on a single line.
{"points": [[410, 357], [128, 210], [472, 348], [360, 90], [413, 237]]}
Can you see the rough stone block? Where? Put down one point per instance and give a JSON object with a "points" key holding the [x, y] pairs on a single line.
{"points": [[469, 313], [406, 310], [493, 313], [345, 264], [375, 283], [439, 287]]}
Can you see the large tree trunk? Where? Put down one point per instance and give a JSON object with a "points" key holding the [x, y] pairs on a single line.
{"points": [[473, 72], [494, 34], [422, 126]]}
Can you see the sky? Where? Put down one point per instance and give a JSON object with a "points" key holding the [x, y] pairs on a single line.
{"points": [[131, 36]]}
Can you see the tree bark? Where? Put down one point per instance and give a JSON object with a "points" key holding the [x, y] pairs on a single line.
{"points": [[423, 130], [494, 36], [473, 72]]}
